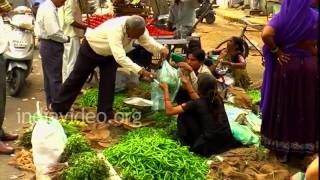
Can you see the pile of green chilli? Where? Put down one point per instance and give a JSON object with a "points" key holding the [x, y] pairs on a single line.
{"points": [[148, 153]]}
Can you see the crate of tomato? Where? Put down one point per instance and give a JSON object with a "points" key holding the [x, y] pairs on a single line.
{"points": [[95, 20], [154, 31]]}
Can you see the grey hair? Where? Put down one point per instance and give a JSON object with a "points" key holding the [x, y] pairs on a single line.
{"points": [[136, 23]]}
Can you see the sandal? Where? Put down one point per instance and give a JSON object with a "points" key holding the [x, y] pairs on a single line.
{"points": [[114, 123]]}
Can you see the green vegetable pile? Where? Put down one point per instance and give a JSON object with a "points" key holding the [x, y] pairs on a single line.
{"points": [[161, 116], [86, 165], [119, 105], [76, 144], [89, 98], [149, 154], [25, 140], [142, 90], [255, 95]]}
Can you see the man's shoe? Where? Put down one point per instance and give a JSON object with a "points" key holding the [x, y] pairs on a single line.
{"points": [[5, 149], [9, 137]]}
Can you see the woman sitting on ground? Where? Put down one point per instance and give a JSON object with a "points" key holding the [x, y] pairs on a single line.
{"points": [[206, 128], [233, 58]]}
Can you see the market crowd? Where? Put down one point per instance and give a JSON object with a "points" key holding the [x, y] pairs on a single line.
{"points": [[290, 91]]}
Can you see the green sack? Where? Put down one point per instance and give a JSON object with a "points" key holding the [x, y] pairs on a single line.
{"points": [[176, 57], [243, 134], [169, 75]]}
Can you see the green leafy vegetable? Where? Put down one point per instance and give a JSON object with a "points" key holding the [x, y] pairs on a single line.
{"points": [[25, 140], [75, 144], [161, 117], [89, 98], [86, 165], [255, 95]]}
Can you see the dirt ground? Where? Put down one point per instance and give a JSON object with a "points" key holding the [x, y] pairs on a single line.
{"points": [[211, 35]]}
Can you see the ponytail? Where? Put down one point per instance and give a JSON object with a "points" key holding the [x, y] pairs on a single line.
{"points": [[214, 98]]}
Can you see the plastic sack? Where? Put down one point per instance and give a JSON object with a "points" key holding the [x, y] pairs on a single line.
{"points": [[48, 142], [169, 75], [243, 134]]}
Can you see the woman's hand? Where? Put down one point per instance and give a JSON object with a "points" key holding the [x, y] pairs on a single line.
{"points": [[185, 66], [184, 79], [226, 63], [282, 57], [164, 86]]}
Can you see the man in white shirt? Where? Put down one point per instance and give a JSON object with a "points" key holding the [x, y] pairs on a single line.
{"points": [[107, 46], [182, 17], [51, 38], [71, 22]]}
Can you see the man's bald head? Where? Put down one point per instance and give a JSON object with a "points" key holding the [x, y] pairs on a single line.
{"points": [[135, 26]]}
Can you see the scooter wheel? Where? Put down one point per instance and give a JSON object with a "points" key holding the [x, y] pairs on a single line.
{"points": [[15, 81], [210, 18]]}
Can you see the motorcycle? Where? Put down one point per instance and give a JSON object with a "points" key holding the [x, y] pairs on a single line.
{"points": [[206, 11], [20, 49]]}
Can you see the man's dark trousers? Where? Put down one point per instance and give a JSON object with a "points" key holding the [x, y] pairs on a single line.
{"points": [[51, 55]]}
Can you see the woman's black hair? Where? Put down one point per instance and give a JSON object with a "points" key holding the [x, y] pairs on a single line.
{"points": [[197, 53], [194, 44], [240, 50], [239, 43], [208, 89]]}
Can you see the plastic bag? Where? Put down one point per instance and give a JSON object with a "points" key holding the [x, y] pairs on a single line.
{"points": [[48, 143], [169, 75], [243, 134]]}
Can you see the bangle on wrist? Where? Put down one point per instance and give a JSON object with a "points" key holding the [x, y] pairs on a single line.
{"points": [[274, 50]]}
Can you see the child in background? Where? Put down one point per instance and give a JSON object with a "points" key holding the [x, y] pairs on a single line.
{"points": [[233, 58]]}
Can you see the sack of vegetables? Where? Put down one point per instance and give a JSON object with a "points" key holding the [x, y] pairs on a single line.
{"points": [[169, 75]]}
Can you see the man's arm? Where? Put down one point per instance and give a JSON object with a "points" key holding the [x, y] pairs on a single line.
{"points": [[69, 11]]}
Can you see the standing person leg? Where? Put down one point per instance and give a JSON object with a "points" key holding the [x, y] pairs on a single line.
{"points": [[255, 5], [70, 55], [4, 149], [66, 59], [43, 50], [70, 89], [108, 70], [54, 69], [2, 92]]}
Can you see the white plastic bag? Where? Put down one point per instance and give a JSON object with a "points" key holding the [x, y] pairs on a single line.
{"points": [[48, 143]]}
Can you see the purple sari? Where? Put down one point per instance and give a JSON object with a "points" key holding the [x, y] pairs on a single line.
{"points": [[289, 93]]}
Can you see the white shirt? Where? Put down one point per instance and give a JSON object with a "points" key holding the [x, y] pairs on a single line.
{"points": [[194, 78], [110, 38], [183, 14], [68, 14], [47, 23], [3, 39]]}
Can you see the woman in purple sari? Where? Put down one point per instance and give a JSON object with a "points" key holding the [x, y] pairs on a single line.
{"points": [[290, 90]]}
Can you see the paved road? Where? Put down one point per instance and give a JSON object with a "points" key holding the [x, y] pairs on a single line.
{"points": [[211, 35]]}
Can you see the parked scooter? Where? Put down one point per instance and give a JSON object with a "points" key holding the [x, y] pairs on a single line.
{"points": [[19, 53]]}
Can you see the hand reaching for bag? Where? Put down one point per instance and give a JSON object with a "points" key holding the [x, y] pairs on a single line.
{"points": [[147, 75], [164, 86]]}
